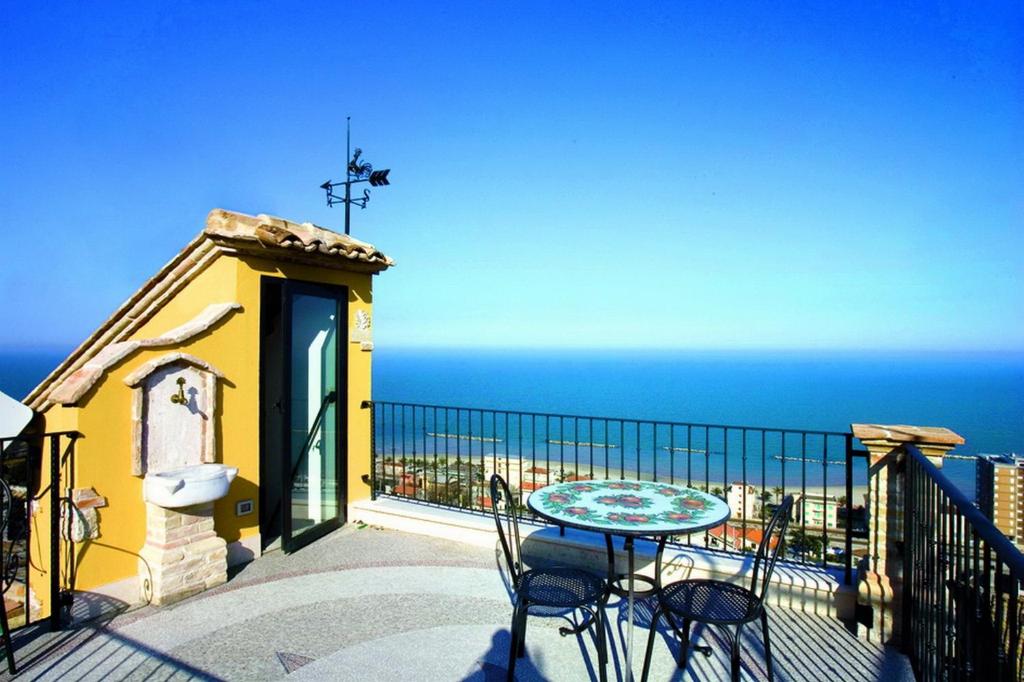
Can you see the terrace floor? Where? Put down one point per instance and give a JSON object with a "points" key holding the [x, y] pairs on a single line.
{"points": [[368, 604]]}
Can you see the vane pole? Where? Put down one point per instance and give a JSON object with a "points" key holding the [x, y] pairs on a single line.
{"points": [[348, 172], [356, 170]]}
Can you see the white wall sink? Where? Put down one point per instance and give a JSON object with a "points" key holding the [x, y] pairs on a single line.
{"points": [[188, 485]]}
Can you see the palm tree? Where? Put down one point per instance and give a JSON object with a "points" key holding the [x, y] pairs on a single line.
{"points": [[716, 491], [805, 543], [777, 492]]}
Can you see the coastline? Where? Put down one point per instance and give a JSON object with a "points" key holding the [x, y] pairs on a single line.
{"points": [[516, 471], [838, 490]]}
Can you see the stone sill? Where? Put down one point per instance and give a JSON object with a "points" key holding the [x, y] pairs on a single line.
{"points": [[809, 589]]}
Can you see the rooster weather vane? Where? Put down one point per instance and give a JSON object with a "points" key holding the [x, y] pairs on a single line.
{"points": [[356, 171]]}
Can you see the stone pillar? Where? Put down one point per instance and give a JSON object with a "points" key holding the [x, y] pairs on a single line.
{"points": [[881, 578], [182, 555]]}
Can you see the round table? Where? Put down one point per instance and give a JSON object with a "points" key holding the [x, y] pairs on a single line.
{"points": [[631, 509]]}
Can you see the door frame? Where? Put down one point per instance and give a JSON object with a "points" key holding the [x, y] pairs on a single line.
{"points": [[289, 288]]}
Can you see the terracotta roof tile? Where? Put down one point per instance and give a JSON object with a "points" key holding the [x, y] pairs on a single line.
{"points": [[264, 231]]}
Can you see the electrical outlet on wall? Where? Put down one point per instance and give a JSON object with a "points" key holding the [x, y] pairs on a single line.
{"points": [[243, 507]]}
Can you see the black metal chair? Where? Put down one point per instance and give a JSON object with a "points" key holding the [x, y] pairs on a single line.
{"points": [[8, 570], [716, 602], [557, 587]]}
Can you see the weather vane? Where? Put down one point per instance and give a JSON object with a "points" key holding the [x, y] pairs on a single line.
{"points": [[357, 171]]}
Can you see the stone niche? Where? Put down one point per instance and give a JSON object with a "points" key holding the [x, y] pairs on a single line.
{"points": [[173, 408], [174, 426]]}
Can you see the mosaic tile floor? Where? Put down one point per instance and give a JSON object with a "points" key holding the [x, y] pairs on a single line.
{"points": [[365, 604]]}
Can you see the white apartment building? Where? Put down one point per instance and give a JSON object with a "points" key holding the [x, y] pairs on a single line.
{"points": [[743, 501]]}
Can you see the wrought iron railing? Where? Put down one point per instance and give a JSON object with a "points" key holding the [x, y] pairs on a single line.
{"points": [[444, 455], [22, 462], [962, 582]]}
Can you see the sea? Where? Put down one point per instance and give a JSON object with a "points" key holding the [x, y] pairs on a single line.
{"points": [[979, 395]]}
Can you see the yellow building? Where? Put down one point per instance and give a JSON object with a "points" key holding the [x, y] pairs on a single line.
{"points": [[250, 349], [999, 481]]}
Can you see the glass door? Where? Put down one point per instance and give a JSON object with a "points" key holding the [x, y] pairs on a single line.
{"points": [[310, 427]]}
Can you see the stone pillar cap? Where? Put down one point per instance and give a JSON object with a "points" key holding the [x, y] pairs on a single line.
{"points": [[901, 433]]}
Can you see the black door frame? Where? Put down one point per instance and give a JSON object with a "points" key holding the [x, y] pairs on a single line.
{"points": [[289, 288]]}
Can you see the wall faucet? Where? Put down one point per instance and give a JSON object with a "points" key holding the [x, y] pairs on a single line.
{"points": [[179, 397]]}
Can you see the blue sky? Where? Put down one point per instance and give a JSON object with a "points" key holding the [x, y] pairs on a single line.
{"points": [[685, 175]]}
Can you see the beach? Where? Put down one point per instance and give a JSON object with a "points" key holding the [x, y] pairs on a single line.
{"points": [[541, 471]]}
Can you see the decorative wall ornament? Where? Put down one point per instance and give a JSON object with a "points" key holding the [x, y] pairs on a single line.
{"points": [[73, 388], [82, 525], [361, 331], [78, 518]]}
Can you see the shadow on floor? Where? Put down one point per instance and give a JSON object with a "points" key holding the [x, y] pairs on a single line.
{"points": [[41, 653]]}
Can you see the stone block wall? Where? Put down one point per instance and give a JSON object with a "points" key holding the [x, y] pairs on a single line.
{"points": [[182, 555]]}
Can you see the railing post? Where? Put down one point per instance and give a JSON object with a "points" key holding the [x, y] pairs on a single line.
{"points": [[848, 532], [368, 405], [880, 578], [55, 606]]}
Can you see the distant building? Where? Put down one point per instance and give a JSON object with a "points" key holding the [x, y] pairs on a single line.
{"points": [[507, 468], [525, 475], [536, 477], [999, 488], [394, 475], [407, 490], [816, 510], [742, 501], [393, 468], [737, 538]]}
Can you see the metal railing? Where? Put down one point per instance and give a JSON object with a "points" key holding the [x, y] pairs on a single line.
{"points": [[444, 455], [961, 583], [21, 465]]}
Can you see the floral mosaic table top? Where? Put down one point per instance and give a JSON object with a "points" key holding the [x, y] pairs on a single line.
{"points": [[629, 507]]}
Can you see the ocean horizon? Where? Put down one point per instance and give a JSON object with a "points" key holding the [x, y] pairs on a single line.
{"points": [[979, 395]]}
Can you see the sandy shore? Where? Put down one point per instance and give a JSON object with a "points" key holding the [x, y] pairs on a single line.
{"points": [[793, 485], [517, 464]]}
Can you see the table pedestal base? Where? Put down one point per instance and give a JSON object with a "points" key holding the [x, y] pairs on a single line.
{"points": [[630, 593], [616, 588]]}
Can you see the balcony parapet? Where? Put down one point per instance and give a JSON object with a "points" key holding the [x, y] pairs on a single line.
{"points": [[802, 587]]}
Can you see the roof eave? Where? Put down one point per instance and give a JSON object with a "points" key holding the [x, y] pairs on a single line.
{"points": [[249, 247]]}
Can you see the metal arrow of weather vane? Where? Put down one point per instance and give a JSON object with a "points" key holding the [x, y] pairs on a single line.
{"points": [[357, 171]]}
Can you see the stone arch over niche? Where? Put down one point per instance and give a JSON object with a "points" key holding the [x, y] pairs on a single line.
{"points": [[169, 434]]}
